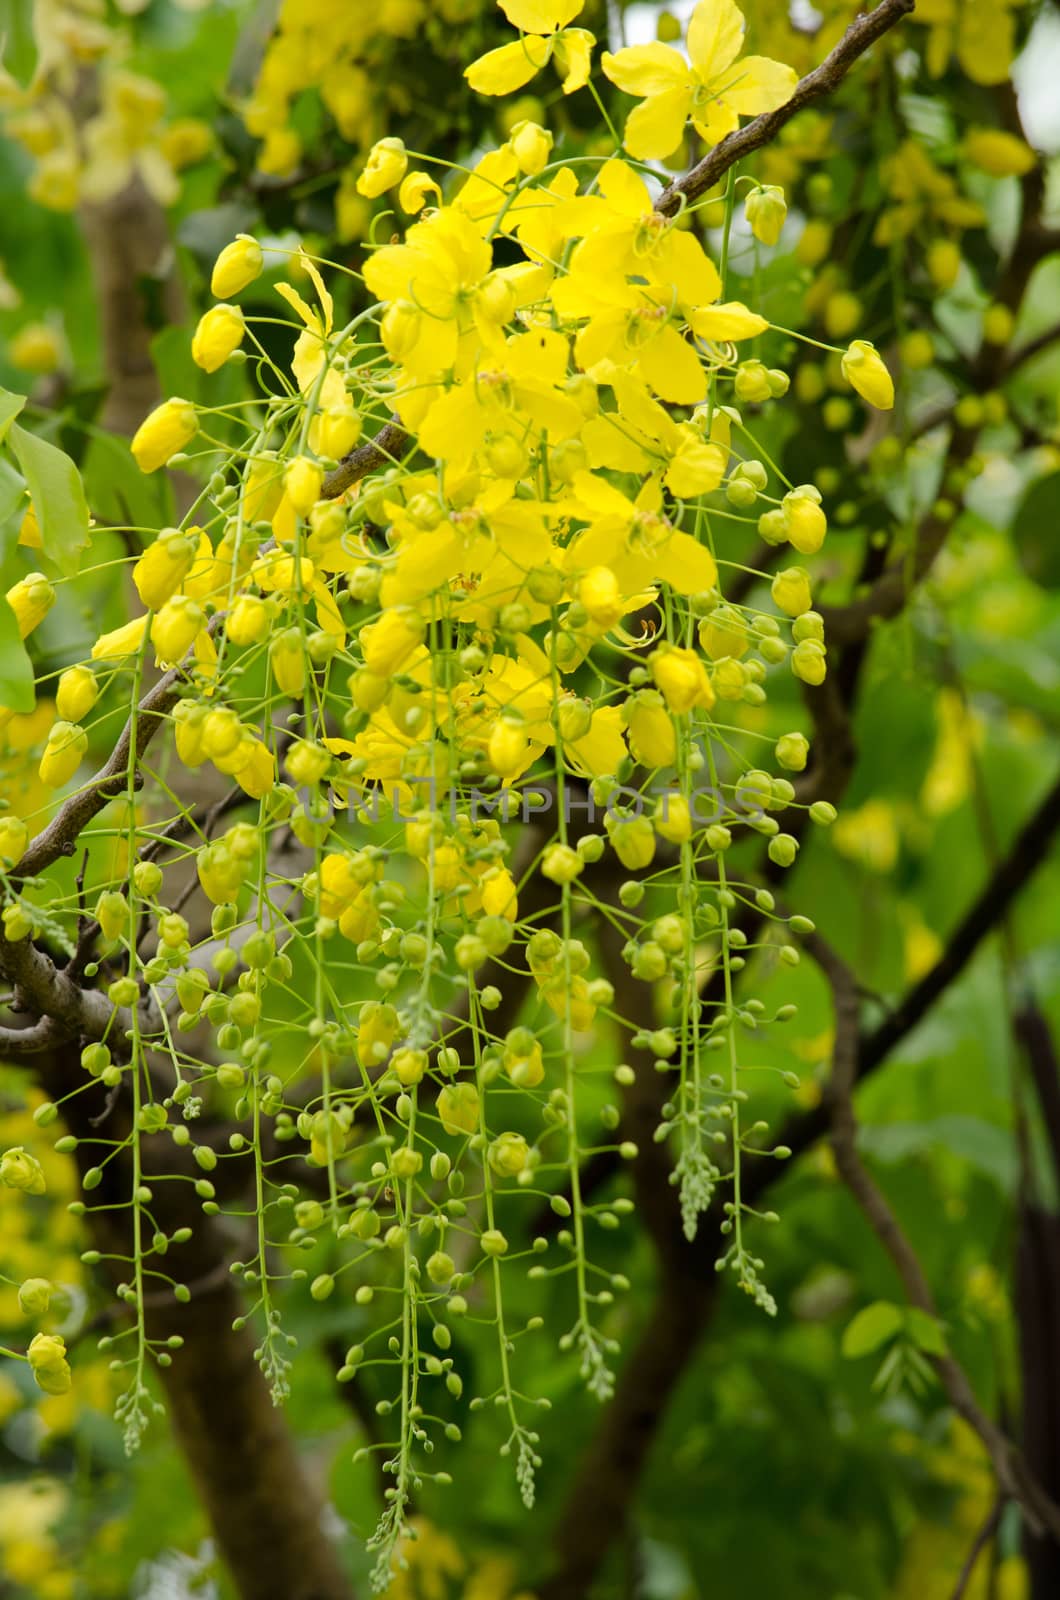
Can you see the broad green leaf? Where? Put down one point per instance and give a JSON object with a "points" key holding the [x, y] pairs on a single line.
{"points": [[58, 498], [925, 1331], [10, 406], [872, 1326], [16, 672]]}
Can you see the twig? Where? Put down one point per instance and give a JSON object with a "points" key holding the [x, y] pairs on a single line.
{"points": [[1013, 1475], [862, 32], [388, 446], [979, 1544]]}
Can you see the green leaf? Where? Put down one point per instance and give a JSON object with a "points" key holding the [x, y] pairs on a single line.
{"points": [[1034, 531], [10, 406], [12, 490], [16, 672], [872, 1326], [925, 1331], [58, 498]]}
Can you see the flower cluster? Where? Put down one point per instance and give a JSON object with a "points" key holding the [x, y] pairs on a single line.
{"points": [[473, 541]]}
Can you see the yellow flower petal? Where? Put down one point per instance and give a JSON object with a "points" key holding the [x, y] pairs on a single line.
{"points": [[730, 320], [655, 128], [540, 16], [715, 37], [509, 67], [673, 369], [646, 69], [760, 85], [574, 58]]}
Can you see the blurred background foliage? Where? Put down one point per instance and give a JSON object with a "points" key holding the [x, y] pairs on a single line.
{"points": [[784, 1464]]}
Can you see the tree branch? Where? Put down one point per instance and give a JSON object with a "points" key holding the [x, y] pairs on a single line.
{"points": [[862, 32], [387, 448], [1014, 1477]]}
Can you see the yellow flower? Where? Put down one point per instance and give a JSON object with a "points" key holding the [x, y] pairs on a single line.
{"points": [[457, 1107], [47, 1359], [37, 348], [14, 837], [635, 540], [20, 1170], [545, 37], [532, 146], [220, 331], [715, 91], [302, 482], [31, 598], [238, 264], [1001, 154], [167, 429], [176, 628], [385, 167]]}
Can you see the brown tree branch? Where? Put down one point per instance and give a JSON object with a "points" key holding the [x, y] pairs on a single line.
{"points": [[1014, 1477], [862, 32], [386, 449]]}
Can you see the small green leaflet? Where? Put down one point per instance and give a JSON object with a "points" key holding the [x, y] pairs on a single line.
{"points": [[10, 406], [16, 672], [58, 497], [879, 1323]]}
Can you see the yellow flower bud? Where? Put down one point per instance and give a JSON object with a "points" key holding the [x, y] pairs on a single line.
{"points": [[998, 324], [601, 596], [163, 567], [20, 1170], [176, 627], [34, 1297], [377, 1028], [864, 370], [791, 751], [388, 643], [48, 1363], [220, 331], [76, 693], [31, 598], [791, 591], [112, 913], [633, 840], [808, 662], [334, 432], [167, 429], [386, 166], [673, 818], [120, 642], [765, 210], [288, 661], [1000, 154], [561, 863], [238, 264], [189, 719], [943, 263], [652, 739], [248, 620], [400, 329], [804, 522], [508, 750], [499, 896], [842, 313], [457, 1107], [63, 754], [410, 1065], [508, 1154], [256, 771], [262, 489], [917, 350], [302, 482], [531, 145], [682, 679], [523, 1059], [37, 348], [14, 837]]}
